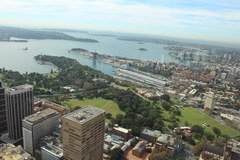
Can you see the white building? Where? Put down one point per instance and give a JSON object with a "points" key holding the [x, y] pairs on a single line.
{"points": [[37, 126]]}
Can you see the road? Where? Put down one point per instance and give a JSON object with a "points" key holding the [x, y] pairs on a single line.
{"points": [[71, 94]]}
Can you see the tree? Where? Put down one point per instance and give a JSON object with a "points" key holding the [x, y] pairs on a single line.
{"points": [[165, 97], [197, 129], [78, 82], [116, 154], [190, 140], [209, 136], [217, 131], [149, 150], [108, 116], [197, 149], [87, 85], [166, 105]]}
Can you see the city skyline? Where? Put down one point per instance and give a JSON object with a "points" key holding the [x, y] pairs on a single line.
{"points": [[203, 20]]}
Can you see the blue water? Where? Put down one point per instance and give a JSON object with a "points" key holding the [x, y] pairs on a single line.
{"points": [[13, 57]]}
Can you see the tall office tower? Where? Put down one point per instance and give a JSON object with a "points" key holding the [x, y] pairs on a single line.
{"points": [[83, 134], [209, 102], [37, 126], [19, 104], [3, 119]]}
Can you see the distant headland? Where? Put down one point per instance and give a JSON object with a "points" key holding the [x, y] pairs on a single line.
{"points": [[6, 33]]}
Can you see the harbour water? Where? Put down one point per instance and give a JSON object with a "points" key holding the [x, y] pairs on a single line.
{"points": [[14, 57]]}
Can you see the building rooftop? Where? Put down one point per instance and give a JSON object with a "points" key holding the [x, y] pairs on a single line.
{"points": [[11, 152], [140, 146], [41, 115], [19, 88], [151, 133], [54, 105], [121, 129], [52, 145], [214, 149], [234, 145], [84, 114], [167, 139], [210, 95]]}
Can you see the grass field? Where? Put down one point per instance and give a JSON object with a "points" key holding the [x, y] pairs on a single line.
{"points": [[108, 105], [54, 74], [177, 101], [193, 116]]}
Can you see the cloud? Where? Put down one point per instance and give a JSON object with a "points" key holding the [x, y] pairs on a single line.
{"points": [[201, 14]]}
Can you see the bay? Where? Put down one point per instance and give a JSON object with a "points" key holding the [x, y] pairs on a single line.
{"points": [[13, 57]]}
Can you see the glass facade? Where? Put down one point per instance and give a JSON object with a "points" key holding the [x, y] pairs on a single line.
{"points": [[3, 119]]}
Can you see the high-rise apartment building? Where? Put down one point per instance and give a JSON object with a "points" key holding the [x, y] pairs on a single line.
{"points": [[83, 134], [19, 104], [3, 119], [38, 125], [209, 102]]}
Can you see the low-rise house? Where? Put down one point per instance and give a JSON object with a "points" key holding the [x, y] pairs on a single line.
{"points": [[149, 135]]}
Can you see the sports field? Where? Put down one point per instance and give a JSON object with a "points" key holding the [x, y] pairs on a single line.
{"points": [[108, 105], [194, 116]]}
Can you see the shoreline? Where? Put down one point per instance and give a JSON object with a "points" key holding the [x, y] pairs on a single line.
{"points": [[47, 63]]}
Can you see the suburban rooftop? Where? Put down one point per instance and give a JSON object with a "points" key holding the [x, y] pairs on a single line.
{"points": [[84, 114]]}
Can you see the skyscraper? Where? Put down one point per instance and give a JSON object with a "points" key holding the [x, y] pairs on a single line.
{"points": [[19, 104], [3, 119], [38, 125], [83, 134]]}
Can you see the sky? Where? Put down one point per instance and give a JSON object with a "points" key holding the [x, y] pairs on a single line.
{"points": [[211, 20]]}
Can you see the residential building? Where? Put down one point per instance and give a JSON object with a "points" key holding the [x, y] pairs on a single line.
{"points": [[209, 102], [3, 118], [37, 126], [83, 134], [139, 149], [126, 134], [12, 152], [19, 104], [149, 135], [168, 143]]}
